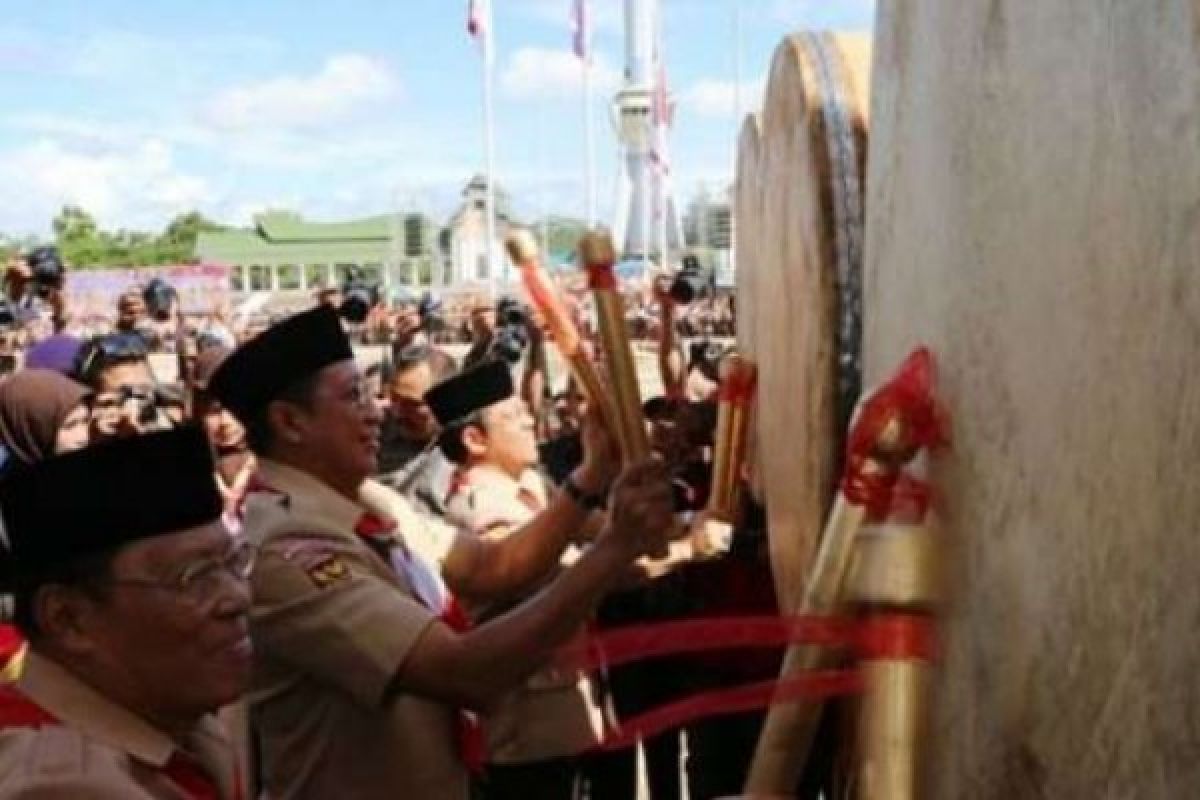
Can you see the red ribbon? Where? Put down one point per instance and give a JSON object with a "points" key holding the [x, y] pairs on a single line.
{"points": [[897, 637], [601, 276], [635, 642], [811, 686], [907, 400]]}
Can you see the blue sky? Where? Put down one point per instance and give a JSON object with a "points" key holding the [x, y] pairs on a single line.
{"points": [[140, 110]]}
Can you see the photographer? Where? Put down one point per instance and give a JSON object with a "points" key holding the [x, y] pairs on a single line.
{"points": [[128, 400], [483, 331], [33, 290]]}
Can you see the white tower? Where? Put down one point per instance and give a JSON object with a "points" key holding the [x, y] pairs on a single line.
{"points": [[646, 214]]}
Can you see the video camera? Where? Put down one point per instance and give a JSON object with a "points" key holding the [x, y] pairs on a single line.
{"points": [[159, 297], [48, 272], [690, 282], [359, 296], [431, 313]]}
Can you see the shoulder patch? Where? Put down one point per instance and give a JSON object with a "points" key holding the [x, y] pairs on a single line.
{"points": [[326, 570], [322, 566]]}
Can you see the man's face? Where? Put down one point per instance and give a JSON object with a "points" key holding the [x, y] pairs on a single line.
{"points": [[182, 654], [130, 309], [224, 432], [510, 437], [406, 402], [124, 393], [342, 423]]}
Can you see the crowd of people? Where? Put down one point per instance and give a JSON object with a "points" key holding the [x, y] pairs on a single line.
{"points": [[284, 573]]}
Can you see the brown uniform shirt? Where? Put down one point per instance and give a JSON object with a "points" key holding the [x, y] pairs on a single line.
{"points": [[99, 750], [555, 712], [332, 623]]}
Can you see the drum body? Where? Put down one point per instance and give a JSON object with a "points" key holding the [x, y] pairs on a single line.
{"points": [[1034, 217]]}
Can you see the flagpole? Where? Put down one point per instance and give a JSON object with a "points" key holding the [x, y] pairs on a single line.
{"points": [[663, 132], [489, 145]]}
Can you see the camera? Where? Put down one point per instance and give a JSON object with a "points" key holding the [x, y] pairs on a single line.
{"points": [[359, 296], [47, 270], [431, 313], [512, 331], [690, 282], [159, 296]]}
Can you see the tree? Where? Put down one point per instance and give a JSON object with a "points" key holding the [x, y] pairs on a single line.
{"points": [[83, 244]]}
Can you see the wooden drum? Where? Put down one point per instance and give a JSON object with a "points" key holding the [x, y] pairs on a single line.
{"points": [[1034, 217]]}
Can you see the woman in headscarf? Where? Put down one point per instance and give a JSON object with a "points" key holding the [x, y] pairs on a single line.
{"points": [[41, 413]]}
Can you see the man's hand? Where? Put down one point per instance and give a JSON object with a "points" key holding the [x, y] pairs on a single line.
{"points": [[601, 455], [642, 516]]}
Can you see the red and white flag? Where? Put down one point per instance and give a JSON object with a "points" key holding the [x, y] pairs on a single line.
{"points": [[479, 24], [581, 29]]}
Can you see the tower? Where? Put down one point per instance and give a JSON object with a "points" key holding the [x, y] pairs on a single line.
{"points": [[646, 213]]}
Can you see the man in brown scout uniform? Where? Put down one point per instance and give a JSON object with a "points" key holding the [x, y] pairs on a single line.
{"points": [[536, 732], [360, 672], [133, 598]]}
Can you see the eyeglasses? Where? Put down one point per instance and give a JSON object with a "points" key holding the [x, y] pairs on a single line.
{"points": [[199, 583]]}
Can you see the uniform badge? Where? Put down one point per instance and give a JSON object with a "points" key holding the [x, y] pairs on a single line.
{"points": [[326, 571]]}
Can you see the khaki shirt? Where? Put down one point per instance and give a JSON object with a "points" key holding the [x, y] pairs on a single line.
{"points": [[555, 712], [99, 751], [332, 623]]}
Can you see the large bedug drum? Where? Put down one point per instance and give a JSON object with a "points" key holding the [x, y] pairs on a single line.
{"points": [[748, 241], [803, 290], [805, 283], [1034, 216]]}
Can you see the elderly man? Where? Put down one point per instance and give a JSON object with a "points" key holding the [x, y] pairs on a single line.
{"points": [[133, 599], [362, 665]]}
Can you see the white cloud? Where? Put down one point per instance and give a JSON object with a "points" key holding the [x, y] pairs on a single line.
{"points": [[710, 97], [345, 85], [138, 186], [541, 72]]}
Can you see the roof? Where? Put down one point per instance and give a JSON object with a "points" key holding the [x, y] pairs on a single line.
{"points": [[285, 237]]}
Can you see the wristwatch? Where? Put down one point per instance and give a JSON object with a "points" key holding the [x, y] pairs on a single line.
{"points": [[588, 502]]}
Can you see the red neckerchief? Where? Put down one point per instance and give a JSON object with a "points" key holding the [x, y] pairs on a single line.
{"points": [[18, 711], [377, 531], [11, 641]]}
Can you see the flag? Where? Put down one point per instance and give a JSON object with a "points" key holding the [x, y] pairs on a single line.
{"points": [[660, 117], [479, 24], [580, 29]]}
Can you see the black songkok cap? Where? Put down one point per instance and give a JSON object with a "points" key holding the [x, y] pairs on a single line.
{"points": [[469, 391], [259, 370], [99, 498]]}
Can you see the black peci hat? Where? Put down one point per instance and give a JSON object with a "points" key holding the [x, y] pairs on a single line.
{"points": [[99, 498], [254, 374], [470, 391]]}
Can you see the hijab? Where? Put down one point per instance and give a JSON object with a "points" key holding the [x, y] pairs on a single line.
{"points": [[34, 403]]}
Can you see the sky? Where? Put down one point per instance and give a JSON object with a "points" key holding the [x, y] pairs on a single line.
{"points": [[139, 110]]}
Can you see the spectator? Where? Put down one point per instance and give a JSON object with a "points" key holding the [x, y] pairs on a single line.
{"points": [[128, 401], [41, 413], [235, 464], [407, 462]]}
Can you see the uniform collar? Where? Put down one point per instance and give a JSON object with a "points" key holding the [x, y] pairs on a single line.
{"points": [[77, 705]]}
